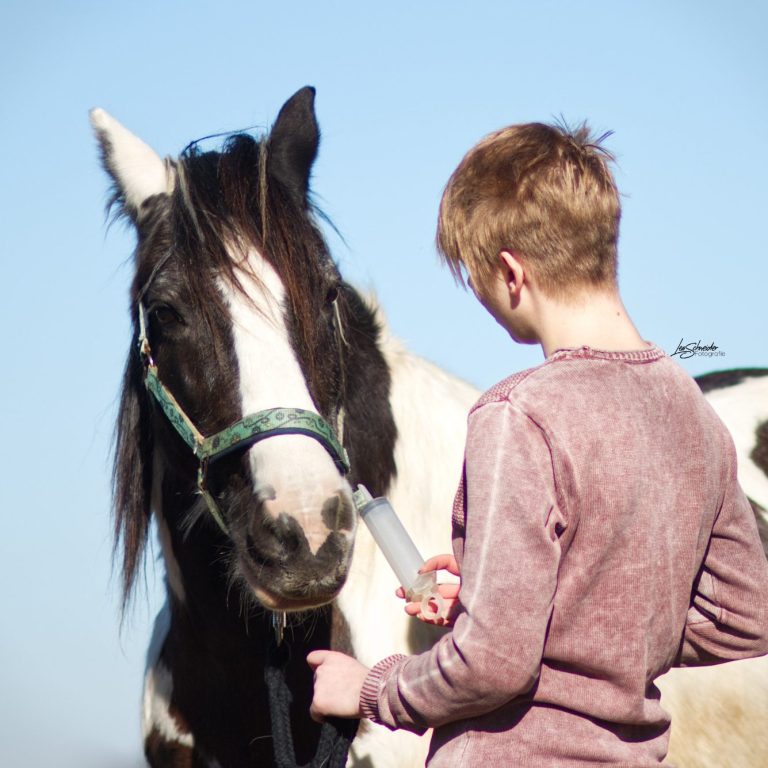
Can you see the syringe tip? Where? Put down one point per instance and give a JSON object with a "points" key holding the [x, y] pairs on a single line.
{"points": [[361, 496]]}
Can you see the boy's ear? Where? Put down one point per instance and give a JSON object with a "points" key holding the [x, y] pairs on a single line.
{"points": [[513, 270]]}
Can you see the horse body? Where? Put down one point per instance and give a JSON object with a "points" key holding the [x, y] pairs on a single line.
{"points": [[719, 712], [247, 311]]}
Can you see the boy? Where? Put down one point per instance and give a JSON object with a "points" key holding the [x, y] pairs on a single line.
{"points": [[599, 529]]}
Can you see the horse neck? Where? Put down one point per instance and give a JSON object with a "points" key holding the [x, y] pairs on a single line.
{"points": [[196, 567], [430, 408]]}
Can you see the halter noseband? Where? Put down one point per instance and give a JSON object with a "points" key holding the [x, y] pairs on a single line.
{"points": [[245, 432]]}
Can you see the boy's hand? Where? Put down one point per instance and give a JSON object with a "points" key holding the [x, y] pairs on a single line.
{"points": [[338, 681], [450, 592]]}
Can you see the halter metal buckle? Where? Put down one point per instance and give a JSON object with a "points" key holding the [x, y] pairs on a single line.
{"points": [[279, 621]]}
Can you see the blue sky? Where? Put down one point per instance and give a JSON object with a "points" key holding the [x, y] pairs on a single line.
{"points": [[403, 90]]}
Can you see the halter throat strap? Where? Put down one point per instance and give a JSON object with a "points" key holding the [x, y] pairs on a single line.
{"points": [[243, 433]]}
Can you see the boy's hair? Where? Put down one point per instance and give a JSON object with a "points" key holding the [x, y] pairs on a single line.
{"points": [[544, 191]]}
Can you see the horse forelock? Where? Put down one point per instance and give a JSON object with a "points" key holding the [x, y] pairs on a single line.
{"points": [[226, 207]]}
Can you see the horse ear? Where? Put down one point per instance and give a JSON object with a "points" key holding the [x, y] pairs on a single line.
{"points": [[293, 143], [136, 169]]}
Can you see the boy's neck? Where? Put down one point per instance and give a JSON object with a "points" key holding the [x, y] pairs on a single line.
{"points": [[598, 319]]}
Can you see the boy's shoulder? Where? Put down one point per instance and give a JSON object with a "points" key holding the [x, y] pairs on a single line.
{"points": [[570, 375], [537, 378], [502, 390]]}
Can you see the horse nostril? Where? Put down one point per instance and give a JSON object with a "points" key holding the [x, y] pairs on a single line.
{"points": [[258, 553], [338, 513], [289, 533], [274, 538]]}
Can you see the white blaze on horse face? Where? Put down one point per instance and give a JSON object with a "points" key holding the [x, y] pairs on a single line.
{"points": [[293, 474]]}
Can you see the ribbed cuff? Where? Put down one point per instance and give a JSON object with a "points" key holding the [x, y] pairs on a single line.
{"points": [[369, 695]]}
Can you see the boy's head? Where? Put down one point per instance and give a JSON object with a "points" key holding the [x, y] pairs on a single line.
{"points": [[542, 192]]}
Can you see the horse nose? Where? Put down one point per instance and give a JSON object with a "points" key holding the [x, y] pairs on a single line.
{"points": [[301, 555], [288, 522]]}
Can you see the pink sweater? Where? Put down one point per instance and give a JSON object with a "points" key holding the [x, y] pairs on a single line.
{"points": [[602, 538]]}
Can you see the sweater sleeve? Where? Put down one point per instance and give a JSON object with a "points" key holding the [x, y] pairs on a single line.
{"points": [[728, 617], [508, 579]]}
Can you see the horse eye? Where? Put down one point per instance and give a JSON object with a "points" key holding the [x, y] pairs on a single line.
{"points": [[166, 316], [332, 295]]}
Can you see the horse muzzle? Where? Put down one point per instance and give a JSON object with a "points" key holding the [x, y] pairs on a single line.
{"points": [[297, 559]]}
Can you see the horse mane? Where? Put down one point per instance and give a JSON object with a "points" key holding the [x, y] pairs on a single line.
{"points": [[223, 203], [132, 475]]}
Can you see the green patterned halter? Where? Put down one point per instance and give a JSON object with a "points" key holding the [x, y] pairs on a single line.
{"points": [[245, 432]]}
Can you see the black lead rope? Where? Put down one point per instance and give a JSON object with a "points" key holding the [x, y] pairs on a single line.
{"points": [[336, 734]]}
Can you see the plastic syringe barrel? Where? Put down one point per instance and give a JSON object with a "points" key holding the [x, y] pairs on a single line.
{"points": [[400, 551], [393, 540]]}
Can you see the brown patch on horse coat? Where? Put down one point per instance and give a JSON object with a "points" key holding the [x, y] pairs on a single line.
{"points": [[721, 379], [759, 453], [161, 753], [762, 525], [341, 637]]}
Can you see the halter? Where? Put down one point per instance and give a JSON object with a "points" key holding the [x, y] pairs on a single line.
{"points": [[245, 432]]}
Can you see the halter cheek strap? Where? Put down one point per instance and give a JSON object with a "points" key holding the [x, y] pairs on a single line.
{"points": [[243, 433]]}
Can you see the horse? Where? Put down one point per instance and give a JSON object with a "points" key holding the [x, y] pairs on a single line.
{"points": [[238, 310], [719, 712]]}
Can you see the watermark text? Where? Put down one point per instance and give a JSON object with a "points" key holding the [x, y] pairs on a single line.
{"points": [[696, 348]]}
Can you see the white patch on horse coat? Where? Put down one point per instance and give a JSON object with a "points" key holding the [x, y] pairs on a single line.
{"points": [[138, 169], [430, 408], [172, 569], [742, 408], [297, 468], [158, 687], [719, 714]]}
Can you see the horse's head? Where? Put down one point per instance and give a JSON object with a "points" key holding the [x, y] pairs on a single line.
{"points": [[245, 311]]}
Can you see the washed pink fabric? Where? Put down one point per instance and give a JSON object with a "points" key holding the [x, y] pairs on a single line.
{"points": [[602, 538]]}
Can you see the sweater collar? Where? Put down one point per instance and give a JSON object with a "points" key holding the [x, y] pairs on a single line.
{"points": [[649, 353]]}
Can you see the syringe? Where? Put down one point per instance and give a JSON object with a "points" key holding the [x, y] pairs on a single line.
{"points": [[400, 551]]}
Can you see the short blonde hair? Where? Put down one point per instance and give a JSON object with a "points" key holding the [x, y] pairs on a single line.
{"points": [[541, 190]]}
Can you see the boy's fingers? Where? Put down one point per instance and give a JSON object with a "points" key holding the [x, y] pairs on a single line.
{"points": [[449, 591], [414, 609], [315, 715], [439, 563], [435, 563], [316, 658]]}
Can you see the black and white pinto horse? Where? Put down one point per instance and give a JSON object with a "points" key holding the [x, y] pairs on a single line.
{"points": [[245, 311], [719, 713]]}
